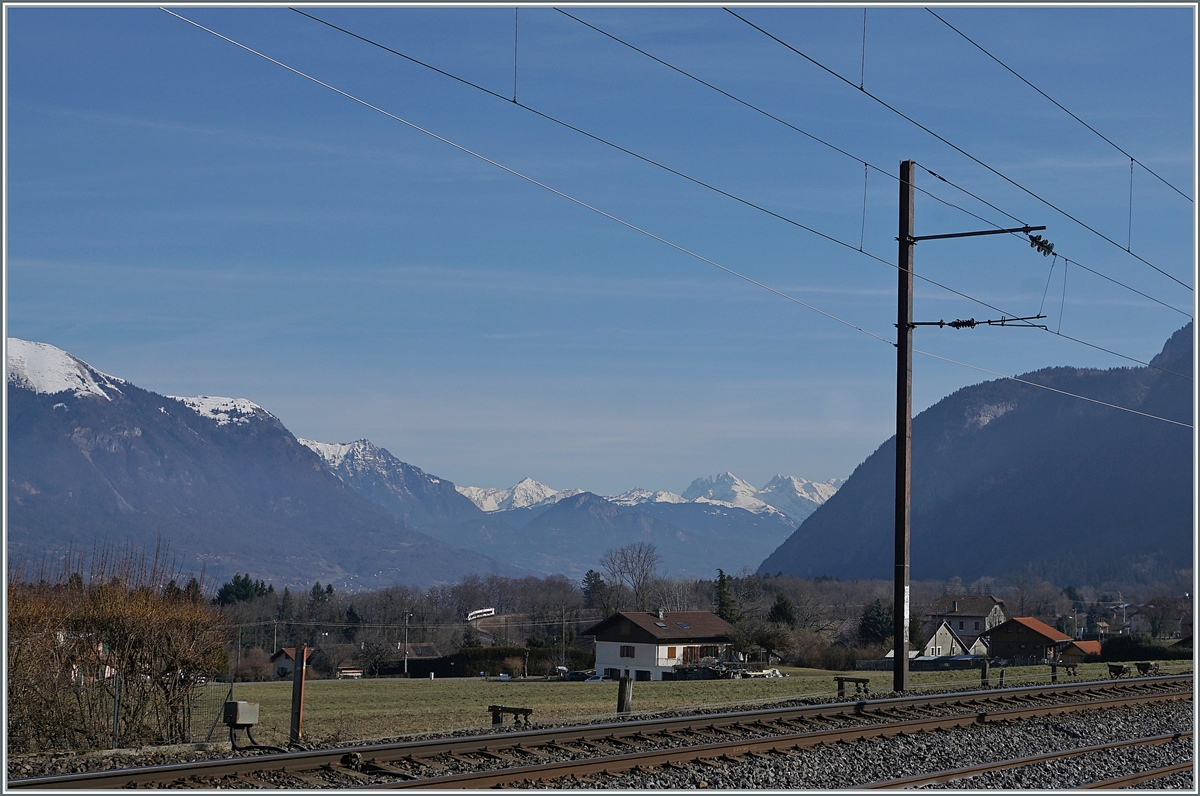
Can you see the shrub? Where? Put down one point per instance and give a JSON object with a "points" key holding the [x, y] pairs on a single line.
{"points": [[1137, 648], [72, 640]]}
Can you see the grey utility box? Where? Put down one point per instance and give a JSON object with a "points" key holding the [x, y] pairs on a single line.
{"points": [[241, 714]]}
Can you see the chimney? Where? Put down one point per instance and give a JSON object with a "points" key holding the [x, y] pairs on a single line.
{"points": [[660, 613], [954, 610]]}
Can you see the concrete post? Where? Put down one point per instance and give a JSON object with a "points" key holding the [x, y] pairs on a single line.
{"points": [[625, 695], [983, 675]]}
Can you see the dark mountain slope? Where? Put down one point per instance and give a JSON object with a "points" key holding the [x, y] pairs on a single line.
{"points": [[233, 497], [1011, 478], [404, 491]]}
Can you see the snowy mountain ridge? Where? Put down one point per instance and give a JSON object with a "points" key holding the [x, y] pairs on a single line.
{"points": [[526, 494], [785, 495], [638, 496], [47, 370], [223, 410]]}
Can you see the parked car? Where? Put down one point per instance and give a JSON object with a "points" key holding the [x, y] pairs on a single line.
{"points": [[598, 678], [577, 677]]}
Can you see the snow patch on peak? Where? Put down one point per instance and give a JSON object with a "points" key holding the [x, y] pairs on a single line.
{"points": [[726, 488], [332, 452], [989, 412], [526, 494], [222, 410], [816, 491], [48, 370], [637, 496]]}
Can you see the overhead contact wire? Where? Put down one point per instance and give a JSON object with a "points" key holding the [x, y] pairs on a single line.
{"points": [[815, 138], [736, 198], [532, 181], [960, 150], [626, 224], [1117, 282], [1051, 389], [849, 155], [670, 170], [1058, 105]]}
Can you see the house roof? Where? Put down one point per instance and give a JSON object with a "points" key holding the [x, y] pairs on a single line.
{"points": [[1086, 647], [672, 626], [421, 650], [1036, 625], [965, 605], [290, 653], [929, 629]]}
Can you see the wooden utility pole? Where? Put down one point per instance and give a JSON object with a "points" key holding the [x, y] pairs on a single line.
{"points": [[298, 672], [904, 334]]}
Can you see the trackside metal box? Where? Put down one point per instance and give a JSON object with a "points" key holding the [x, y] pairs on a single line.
{"points": [[241, 714]]}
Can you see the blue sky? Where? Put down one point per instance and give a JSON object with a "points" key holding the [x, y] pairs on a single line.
{"points": [[197, 220]]}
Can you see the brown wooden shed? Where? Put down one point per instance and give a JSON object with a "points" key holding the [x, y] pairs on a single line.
{"points": [[1024, 641]]}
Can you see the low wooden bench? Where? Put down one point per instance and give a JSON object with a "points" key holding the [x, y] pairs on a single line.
{"points": [[1147, 667], [519, 714], [1117, 670], [862, 685]]}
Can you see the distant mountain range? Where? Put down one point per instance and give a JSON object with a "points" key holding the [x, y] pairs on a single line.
{"points": [[1009, 478], [793, 498], [93, 457]]}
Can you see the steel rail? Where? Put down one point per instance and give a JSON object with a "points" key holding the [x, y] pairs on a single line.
{"points": [[1138, 779], [732, 749], [949, 775], [424, 749]]}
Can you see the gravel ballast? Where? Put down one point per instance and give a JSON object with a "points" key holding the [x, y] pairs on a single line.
{"points": [[849, 765]]}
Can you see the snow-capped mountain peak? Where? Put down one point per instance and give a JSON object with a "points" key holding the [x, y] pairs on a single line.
{"points": [[528, 493], [637, 496], [222, 410], [44, 369], [334, 453], [816, 491], [725, 488]]}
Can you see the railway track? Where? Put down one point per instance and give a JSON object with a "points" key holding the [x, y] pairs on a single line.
{"points": [[573, 754], [955, 775]]}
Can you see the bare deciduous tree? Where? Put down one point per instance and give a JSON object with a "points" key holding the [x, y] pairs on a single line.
{"points": [[635, 565]]}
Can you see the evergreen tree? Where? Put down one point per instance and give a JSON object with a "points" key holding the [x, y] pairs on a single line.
{"points": [[878, 621], [726, 605], [352, 619], [316, 597], [782, 612], [241, 589], [286, 607], [591, 587]]}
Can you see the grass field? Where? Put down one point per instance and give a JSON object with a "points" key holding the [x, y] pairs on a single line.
{"points": [[349, 710]]}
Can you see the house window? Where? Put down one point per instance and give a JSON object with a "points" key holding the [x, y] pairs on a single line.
{"points": [[612, 674], [937, 651], [976, 625], [641, 675], [671, 653], [626, 650], [960, 625]]}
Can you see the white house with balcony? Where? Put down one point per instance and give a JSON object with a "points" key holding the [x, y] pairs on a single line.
{"points": [[644, 645]]}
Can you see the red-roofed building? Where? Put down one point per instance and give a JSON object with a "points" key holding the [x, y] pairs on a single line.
{"points": [[1076, 650], [1025, 641], [644, 645], [283, 662]]}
